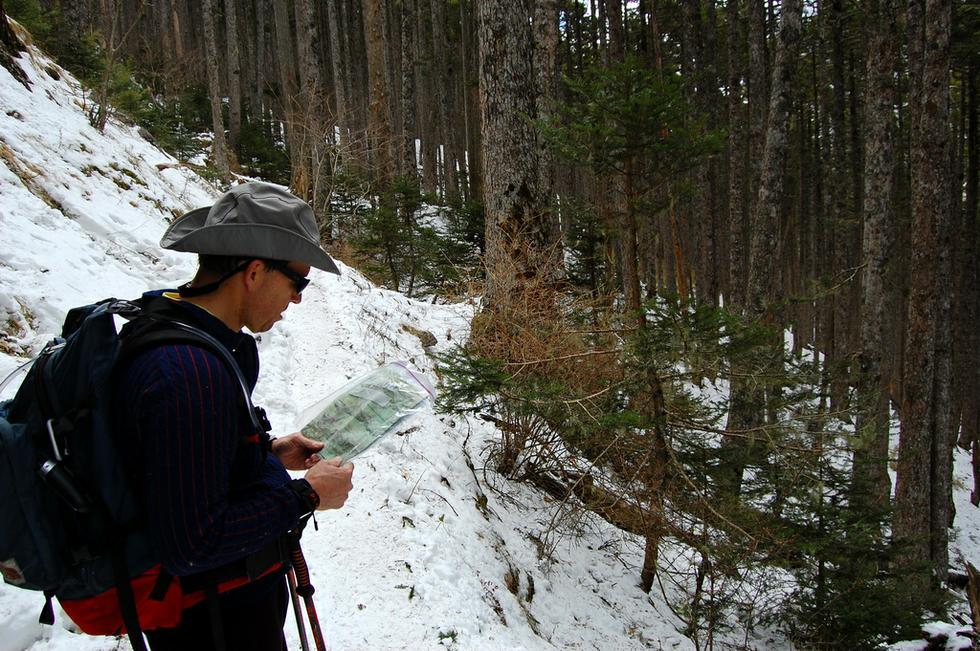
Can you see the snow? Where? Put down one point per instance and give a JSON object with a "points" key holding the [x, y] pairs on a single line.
{"points": [[431, 551], [418, 557]]}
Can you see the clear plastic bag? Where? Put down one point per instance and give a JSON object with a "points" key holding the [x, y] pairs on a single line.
{"points": [[354, 417]]}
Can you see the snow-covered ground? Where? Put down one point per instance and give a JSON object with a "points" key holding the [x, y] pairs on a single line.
{"points": [[420, 555], [430, 551]]}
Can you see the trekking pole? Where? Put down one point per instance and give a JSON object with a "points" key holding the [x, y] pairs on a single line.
{"points": [[300, 626], [305, 589]]}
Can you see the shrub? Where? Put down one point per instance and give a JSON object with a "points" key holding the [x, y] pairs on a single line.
{"points": [[583, 400], [412, 247]]}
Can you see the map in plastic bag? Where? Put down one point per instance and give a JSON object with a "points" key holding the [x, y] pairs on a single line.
{"points": [[354, 417]]}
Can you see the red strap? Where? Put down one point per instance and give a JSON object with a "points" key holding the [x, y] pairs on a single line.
{"points": [[99, 615]]}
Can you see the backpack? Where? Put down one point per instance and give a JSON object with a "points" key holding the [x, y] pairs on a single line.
{"points": [[70, 522]]}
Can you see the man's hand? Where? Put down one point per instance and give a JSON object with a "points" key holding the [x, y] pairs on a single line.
{"points": [[331, 479], [296, 452]]}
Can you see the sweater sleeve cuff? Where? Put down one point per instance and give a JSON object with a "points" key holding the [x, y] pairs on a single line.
{"points": [[307, 497]]}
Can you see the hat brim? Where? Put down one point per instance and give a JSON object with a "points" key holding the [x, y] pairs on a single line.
{"points": [[189, 234]]}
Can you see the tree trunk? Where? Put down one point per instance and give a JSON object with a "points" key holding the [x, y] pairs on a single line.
{"points": [[655, 479], [440, 73], [306, 43], [427, 105], [871, 483], [758, 94], [178, 31], [379, 124], [921, 492], [311, 169], [341, 76], [613, 14], [737, 159], [158, 23], [234, 72], [517, 225], [258, 92], [393, 59], [353, 24], [970, 364], [654, 48], [248, 23], [407, 164], [747, 403], [286, 55], [968, 312], [766, 213], [546, 73], [471, 86], [710, 105], [219, 149], [840, 206], [693, 207]]}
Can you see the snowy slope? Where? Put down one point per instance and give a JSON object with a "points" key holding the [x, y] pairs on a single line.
{"points": [[420, 555], [431, 551]]}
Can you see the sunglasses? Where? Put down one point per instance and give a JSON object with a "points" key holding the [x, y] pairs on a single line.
{"points": [[299, 281]]}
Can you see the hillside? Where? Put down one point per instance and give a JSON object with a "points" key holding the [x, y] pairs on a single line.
{"points": [[432, 550], [424, 551]]}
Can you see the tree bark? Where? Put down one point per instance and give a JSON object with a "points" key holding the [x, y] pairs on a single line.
{"points": [[613, 14], [737, 159], [393, 59], [234, 72], [178, 31], [758, 94], [748, 403], [546, 73], [439, 70], [517, 225], [407, 163], [341, 76], [427, 103], [871, 482], [471, 89], [379, 125], [841, 212], [968, 312], [219, 148], [306, 44], [710, 106], [766, 213], [312, 128], [969, 377], [286, 56], [353, 23], [921, 492], [258, 92]]}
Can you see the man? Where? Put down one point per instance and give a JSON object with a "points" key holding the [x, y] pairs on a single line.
{"points": [[217, 496]]}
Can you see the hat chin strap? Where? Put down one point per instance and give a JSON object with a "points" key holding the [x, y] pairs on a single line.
{"points": [[188, 291]]}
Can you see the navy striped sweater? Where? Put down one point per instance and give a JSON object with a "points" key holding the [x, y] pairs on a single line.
{"points": [[213, 495]]}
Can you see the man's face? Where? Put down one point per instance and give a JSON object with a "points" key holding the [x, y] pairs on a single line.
{"points": [[274, 291]]}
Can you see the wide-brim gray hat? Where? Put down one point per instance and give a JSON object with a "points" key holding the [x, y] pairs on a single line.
{"points": [[252, 220]]}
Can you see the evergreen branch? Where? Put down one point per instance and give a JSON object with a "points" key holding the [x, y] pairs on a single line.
{"points": [[747, 434], [563, 357]]}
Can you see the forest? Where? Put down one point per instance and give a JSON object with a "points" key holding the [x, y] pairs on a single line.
{"points": [[726, 253]]}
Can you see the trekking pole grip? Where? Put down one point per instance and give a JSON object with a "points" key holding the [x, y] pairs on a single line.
{"points": [[305, 589]]}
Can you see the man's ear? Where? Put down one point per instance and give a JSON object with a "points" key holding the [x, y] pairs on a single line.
{"points": [[253, 272]]}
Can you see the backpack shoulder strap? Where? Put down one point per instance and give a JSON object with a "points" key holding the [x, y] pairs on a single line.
{"points": [[149, 328]]}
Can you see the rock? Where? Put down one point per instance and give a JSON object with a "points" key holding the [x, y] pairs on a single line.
{"points": [[427, 338]]}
